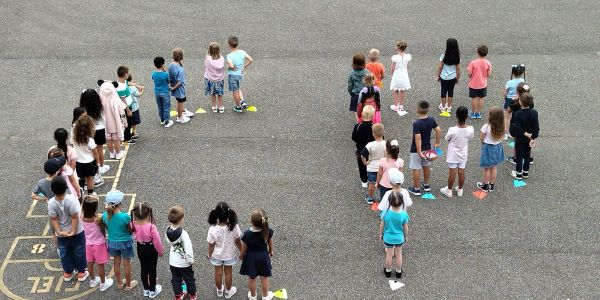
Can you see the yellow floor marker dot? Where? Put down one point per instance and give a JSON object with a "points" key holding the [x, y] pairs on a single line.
{"points": [[173, 113], [252, 108], [281, 294], [200, 111], [445, 114]]}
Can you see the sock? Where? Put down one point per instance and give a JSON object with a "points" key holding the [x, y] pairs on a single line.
{"points": [[388, 269], [399, 270]]}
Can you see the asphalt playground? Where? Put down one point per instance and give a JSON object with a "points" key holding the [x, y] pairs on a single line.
{"points": [[293, 156]]}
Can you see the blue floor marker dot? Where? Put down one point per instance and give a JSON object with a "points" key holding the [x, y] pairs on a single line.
{"points": [[511, 144], [519, 183], [428, 196]]}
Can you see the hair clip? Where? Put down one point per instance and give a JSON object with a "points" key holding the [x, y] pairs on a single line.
{"points": [[394, 143], [526, 87]]}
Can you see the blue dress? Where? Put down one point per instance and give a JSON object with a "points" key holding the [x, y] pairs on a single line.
{"points": [[257, 261]]}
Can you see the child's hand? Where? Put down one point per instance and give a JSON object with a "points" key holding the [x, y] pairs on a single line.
{"points": [[129, 113], [532, 143], [271, 254]]}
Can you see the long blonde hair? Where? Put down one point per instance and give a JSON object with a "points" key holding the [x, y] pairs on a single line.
{"points": [[214, 50], [496, 122]]}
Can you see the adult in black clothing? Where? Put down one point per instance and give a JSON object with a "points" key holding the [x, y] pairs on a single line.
{"points": [[362, 134], [525, 128]]}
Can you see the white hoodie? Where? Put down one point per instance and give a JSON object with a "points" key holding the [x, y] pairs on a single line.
{"points": [[181, 254]]}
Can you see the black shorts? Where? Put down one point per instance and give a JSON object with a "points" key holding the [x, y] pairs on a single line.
{"points": [[447, 87], [353, 102], [86, 169], [100, 136], [181, 100], [135, 117], [477, 93]]}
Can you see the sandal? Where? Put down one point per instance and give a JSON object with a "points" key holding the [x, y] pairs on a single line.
{"points": [[134, 283], [122, 285]]}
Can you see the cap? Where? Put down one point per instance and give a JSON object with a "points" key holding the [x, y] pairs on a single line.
{"points": [[52, 165], [395, 176], [114, 197]]}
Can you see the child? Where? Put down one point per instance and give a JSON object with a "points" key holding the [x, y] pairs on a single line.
{"points": [[114, 113], [120, 246], [375, 67], [513, 108], [421, 141], [93, 106], [396, 179], [355, 79], [370, 155], [393, 230], [448, 73], [223, 245], [237, 61], [525, 128], [400, 81], [517, 76], [362, 134], [214, 77], [96, 251], [83, 141], [162, 92], [492, 152], [66, 172], [458, 152], [391, 161], [42, 190], [136, 119], [256, 254], [177, 82], [149, 247], [181, 255], [63, 210], [369, 95], [125, 94], [479, 70]]}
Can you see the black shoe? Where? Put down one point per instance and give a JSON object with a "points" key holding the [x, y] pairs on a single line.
{"points": [[399, 274], [131, 142], [244, 105], [531, 160], [511, 160], [525, 174], [387, 274], [483, 186], [425, 187], [491, 187]]}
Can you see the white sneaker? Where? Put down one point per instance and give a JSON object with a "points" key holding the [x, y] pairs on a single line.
{"points": [[168, 123], [220, 291], [459, 192], [120, 154], [394, 107], [111, 155], [146, 293], [446, 192], [108, 282], [157, 290], [364, 184], [441, 107], [231, 292], [81, 277], [183, 119], [449, 109], [269, 296], [95, 282], [103, 169], [188, 113], [402, 112], [250, 296]]}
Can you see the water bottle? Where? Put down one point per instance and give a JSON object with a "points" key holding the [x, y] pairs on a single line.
{"points": [[184, 287]]}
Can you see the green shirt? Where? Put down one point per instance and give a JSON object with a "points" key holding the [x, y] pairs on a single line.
{"points": [[117, 227]]}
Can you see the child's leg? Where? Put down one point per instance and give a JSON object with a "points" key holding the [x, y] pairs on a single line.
{"points": [[451, 177], [117, 146], [213, 100], [371, 190], [443, 101], [180, 109], [79, 252], [474, 105], [396, 96], [493, 173], [65, 254], [416, 178], [389, 255], [110, 146], [507, 116], [144, 264], [228, 277], [264, 285], [402, 96], [480, 104], [219, 277], [398, 254], [426, 174], [362, 170], [152, 263], [461, 178], [486, 175], [190, 280], [127, 270], [526, 161], [117, 270], [220, 99], [89, 180], [176, 279], [166, 107], [252, 286], [90, 267], [241, 95], [101, 273], [159, 105], [237, 97], [100, 155]]}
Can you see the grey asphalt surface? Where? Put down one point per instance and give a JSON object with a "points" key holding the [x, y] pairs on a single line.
{"points": [[294, 156]]}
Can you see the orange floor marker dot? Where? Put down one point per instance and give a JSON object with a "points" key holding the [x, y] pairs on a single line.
{"points": [[479, 194], [374, 206]]}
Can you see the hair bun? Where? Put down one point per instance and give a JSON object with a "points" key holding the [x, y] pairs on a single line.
{"points": [[394, 143]]}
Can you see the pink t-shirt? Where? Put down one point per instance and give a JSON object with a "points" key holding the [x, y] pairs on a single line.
{"points": [[66, 173], [386, 164], [458, 146], [478, 70], [146, 233], [93, 234], [214, 69]]}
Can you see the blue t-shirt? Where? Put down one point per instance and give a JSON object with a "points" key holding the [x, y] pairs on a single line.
{"points": [[448, 71], [117, 226], [161, 82], [238, 59], [511, 87], [393, 230], [424, 127], [177, 74]]}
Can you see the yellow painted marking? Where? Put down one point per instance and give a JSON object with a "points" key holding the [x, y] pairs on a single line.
{"points": [[200, 111], [46, 284], [46, 229], [173, 113], [51, 268], [118, 174], [38, 248], [35, 280], [59, 284], [31, 208], [108, 177], [75, 288]]}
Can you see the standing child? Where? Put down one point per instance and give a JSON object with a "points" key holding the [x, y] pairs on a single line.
{"points": [[515, 106], [61, 136], [517, 76], [448, 73], [42, 190], [223, 246], [125, 94], [120, 246], [214, 77], [393, 230], [355, 79], [136, 119], [177, 82], [237, 62], [375, 67], [96, 251], [421, 142], [479, 70], [369, 95], [458, 152], [396, 180], [66, 172], [370, 155], [492, 152], [63, 210], [114, 113], [160, 77], [83, 141], [181, 255], [391, 161], [149, 247], [362, 134], [90, 100], [400, 81], [256, 253], [525, 128]]}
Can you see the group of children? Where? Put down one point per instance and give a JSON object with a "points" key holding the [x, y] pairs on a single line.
{"points": [[380, 167]]}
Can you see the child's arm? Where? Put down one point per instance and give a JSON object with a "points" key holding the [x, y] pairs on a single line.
{"points": [[175, 86], [448, 136], [438, 136], [350, 84], [38, 197], [481, 136], [74, 224], [248, 60], [187, 247], [489, 71], [271, 249], [393, 67], [379, 174], [470, 70], [243, 249], [405, 230], [418, 144], [75, 183], [156, 241], [381, 226], [238, 244], [54, 224], [457, 72], [440, 65], [536, 128], [230, 65], [211, 248]]}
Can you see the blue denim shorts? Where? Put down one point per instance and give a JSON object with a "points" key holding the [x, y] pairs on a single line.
{"points": [[213, 87], [234, 82], [219, 262], [372, 177], [122, 249]]}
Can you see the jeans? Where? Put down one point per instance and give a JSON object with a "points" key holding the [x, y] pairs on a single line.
{"points": [[362, 169], [183, 274], [163, 101], [522, 158], [72, 252], [148, 259]]}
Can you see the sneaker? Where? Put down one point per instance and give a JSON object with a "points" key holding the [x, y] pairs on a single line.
{"points": [[516, 175], [238, 109], [243, 104], [98, 183], [131, 141], [231, 292], [183, 119], [120, 154], [157, 290], [402, 112], [442, 108], [220, 291], [448, 109], [394, 107], [269, 296], [525, 174], [68, 276], [446, 191], [214, 109], [459, 192], [135, 136], [472, 116], [132, 285], [412, 190], [81, 277], [506, 136], [95, 282], [168, 123], [250, 296], [364, 184], [511, 160], [478, 115], [111, 155], [369, 199], [483, 186], [187, 113], [163, 122], [146, 293], [425, 187], [221, 109], [531, 161], [194, 297], [399, 274], [108, 282], [387, 273], [103, 169], [491, 187]]}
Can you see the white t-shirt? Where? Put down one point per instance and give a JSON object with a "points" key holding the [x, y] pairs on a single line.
{"points": [[100, 123], [224, 241], [458, 148], [486, 129], [84, 152], [376, 152], [385, 203]]}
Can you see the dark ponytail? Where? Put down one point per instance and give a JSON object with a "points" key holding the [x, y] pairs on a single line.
{"points": [[223, 213], [260, 220], [61, 136]]}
